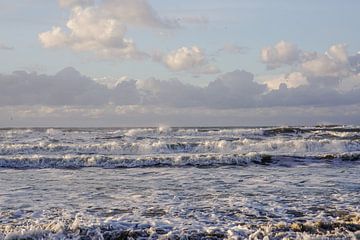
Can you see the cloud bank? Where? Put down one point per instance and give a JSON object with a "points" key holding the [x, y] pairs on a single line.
{"points": [[237, 89]]}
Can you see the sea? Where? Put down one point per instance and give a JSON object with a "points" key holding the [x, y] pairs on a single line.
{"points": [[180, 183]]}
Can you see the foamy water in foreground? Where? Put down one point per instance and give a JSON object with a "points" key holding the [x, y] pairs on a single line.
{"points": [[205, 183]]}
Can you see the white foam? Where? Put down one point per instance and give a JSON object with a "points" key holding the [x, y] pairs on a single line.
{"points": [[140, 144], [187, 202]]}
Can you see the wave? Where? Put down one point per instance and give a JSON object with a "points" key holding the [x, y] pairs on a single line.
{"points": [[120, 146], [165, 146], [196, 160], [266, 131]]}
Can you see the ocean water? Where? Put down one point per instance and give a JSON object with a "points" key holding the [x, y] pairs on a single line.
{"points": [[180, 183]]}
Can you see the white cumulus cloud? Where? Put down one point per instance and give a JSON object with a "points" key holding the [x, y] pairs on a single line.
{"points": [[283, 53], [333, 63], [101, 27], [338, 53], [54, 38], [189, 59], [321, 69]]}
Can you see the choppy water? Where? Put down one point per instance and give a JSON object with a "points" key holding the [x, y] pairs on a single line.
{"points": [[195, 183]]}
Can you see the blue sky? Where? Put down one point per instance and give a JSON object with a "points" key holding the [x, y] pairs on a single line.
{"points": [[196, 42], [312, 25]]}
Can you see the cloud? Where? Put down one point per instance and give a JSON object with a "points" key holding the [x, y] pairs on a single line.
{"points": [[354, 62], [320, 69], [191, 59], [54, 38], [101, 28], [334, 63], [125, 93], [305, 96], [172, 93], [292, 80], [111, 82], [232, 90], [338, 53], [349, 84], [5, 47], [90, 31], [283, 53], [67, 87], [185, 58]]}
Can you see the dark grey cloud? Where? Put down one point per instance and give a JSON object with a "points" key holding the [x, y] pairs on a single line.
{"points": [[303, 96], [67, 87], [125, 93], [232, 90], [170, 93]]}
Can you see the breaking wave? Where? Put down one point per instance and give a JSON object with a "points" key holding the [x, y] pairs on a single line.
{"points": [[142, 147]]}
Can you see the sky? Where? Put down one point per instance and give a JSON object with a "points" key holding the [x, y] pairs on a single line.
{"points": [[115, 63]]}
